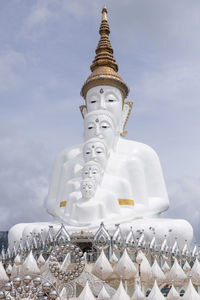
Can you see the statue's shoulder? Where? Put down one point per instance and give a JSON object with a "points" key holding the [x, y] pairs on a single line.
{"points": [[135, 148], [70, 153]]}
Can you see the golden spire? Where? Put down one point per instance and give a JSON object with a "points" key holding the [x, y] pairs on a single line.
{"points": [[104, 14], [104, 67]]}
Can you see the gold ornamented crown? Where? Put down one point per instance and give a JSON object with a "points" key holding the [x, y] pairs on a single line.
{"points": [[104, 67]]}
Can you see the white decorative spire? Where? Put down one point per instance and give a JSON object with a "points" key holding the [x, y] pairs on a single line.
{"points": [[30, 267], [103, 295], [191, 293], [165, 267], [3, 276], [41, 263], [66, 262], [86, 293], [18, 260], [157, 272], [125, 268], [138, 294], [195, 272], [120, 293], [173, 294], [145, 268], [155, 293], [102, 267], [63, 294], [113, 259], [15, 271], [176, 274], [9, 269], [186, 267]]}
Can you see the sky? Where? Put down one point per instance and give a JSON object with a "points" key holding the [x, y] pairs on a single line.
{"points": [[46, 49]]}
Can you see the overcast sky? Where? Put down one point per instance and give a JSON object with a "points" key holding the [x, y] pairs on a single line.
{"points": [[46, 48]]}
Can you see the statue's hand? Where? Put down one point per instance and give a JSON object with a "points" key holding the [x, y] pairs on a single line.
{"points": [[158, 205]]}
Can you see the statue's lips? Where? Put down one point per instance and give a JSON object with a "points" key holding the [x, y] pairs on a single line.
{"points": [[100, 136]]}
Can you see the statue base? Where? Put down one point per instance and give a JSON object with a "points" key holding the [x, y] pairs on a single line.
{"points": [[171, 229]]}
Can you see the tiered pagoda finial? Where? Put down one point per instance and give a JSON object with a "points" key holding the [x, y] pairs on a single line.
{"points": [[104, 51], [104, 67]]}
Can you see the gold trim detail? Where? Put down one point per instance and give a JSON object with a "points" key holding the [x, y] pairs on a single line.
{"points": [[124, 132], [82, 107], [104, 68], [126, 202], [63, 203]]}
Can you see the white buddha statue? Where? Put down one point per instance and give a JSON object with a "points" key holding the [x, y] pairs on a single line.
{"points": [[127, 185]]}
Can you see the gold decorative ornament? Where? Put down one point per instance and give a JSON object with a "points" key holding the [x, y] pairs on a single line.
{"points": [[83, 110], [126, 202], [124, 132], [63, 203], [104, 67]]}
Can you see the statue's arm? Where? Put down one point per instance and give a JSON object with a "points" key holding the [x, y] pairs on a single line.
{"points": [[157, 193], [56, 181]]}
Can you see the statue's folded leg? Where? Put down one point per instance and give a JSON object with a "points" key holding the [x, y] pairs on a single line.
{"points": [[172, 228]]}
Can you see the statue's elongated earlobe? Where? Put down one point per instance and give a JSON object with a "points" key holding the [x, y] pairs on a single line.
{"points": [[125, 115], [83, 110]]}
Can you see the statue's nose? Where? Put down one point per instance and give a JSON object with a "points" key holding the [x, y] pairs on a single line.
{"points": [[93, 154], [102, 103], [97, 130]]}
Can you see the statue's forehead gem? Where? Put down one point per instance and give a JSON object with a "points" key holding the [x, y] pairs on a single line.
{"points": [[92, 146], [101, 91], [97, 120]]}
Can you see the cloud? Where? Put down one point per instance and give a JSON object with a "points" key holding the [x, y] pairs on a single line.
{"points": [[12, 66], [184, 195], [44, 15], [24, 177], [39, 14], [157, 26], [173, 84]]}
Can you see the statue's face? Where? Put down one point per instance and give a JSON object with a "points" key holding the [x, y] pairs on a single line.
{"points": [[100, 126], [92, 171], [105, 97], [95, 151], [87, 188]]}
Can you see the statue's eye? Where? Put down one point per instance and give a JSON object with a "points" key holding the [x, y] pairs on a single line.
{"points": [[99, 151], [93, 101], [86, 172], [104, 125], [94, 172], [111, 100], [87, 152], [90, 127]]}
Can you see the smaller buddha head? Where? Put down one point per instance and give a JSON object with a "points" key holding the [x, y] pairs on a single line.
{"points": [[95, 150], [101, 124], [92, 170], [88, 188]]}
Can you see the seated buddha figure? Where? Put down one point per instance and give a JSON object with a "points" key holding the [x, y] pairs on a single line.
{"points": [[131, 188]]}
